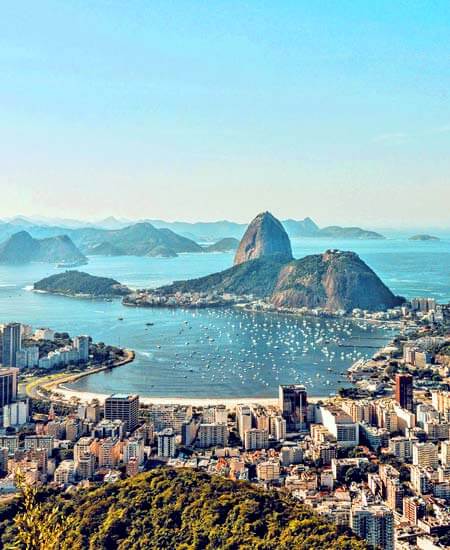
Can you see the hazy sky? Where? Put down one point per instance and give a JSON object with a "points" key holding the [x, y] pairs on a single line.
{"points": [[210, 110]]}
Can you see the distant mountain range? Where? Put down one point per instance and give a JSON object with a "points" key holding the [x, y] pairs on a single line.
{"points": [[141, 239], [200, 232], [212, 231]]}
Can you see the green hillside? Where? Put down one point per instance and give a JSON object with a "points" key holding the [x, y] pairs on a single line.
{"points": [[74, 283], [183, 510]]}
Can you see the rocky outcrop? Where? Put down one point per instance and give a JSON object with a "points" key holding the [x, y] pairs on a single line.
{"points": [[334, 281], [265, 236]]}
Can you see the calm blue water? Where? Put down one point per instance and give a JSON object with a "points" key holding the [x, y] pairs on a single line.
{"points": [[222, 353]]}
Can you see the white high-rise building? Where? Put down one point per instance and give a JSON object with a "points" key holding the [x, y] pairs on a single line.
{"points": [[243, 419], [133, 448], [81, 344], [256, 439], [15, 414], [341, 425], [445, 453], [425, 455], [401, 447], [166, 443], [212, 435], [278, 427], [82, 446]]}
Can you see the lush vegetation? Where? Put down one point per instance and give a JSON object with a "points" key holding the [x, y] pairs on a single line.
{"points": [[257, 277], [169, 509], [335, 281], [76, 282]]}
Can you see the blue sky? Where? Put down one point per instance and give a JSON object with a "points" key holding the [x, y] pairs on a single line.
{"points": [[210, 110]]}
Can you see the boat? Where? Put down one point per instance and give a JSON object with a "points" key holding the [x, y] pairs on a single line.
{"points": [[69, 265], [120, 318]]}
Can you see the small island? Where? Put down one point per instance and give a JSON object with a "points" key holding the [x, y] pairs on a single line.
{"points": [[81, 285], [424, 238], [337, 232]]}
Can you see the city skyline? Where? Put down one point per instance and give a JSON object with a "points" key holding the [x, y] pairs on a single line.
{"points": [[337, 112]]}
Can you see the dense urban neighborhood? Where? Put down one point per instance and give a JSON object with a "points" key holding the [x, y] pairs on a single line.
{"points": [[374, 458]]}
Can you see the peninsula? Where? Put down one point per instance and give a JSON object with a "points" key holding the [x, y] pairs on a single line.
{"points": [[264, 270]]}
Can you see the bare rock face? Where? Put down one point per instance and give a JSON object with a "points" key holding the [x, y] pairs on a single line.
{"points": [[335, 281], [265, 236]]}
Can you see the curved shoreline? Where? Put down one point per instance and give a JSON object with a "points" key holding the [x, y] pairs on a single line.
{"points": [[229, 402], [52, 382]]}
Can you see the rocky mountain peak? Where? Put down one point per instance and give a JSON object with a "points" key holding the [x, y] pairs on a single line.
{"points": [[265, 236]]}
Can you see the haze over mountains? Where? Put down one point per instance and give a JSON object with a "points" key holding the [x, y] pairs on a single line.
{"points": [[120, 238], [141, 239], [21, 248], [202, 232]]}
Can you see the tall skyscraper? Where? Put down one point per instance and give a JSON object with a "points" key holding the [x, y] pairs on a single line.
{"points": [[8, 386], [81, 344], [293, 402], [123, 407], [404, 391], [12, 343]]}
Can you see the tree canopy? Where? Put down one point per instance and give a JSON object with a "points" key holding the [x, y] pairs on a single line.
{"points": [[186, 510]]}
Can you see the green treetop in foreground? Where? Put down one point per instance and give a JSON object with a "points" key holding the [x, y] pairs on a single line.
{"points": [[183, 510]]}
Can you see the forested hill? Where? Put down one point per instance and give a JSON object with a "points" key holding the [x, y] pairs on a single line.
{"points": [[186, 510], [78, 283]]}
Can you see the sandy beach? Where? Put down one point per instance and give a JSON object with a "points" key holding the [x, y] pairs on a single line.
{"points": [[56, 385], [194, 401], [229, 402]]}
